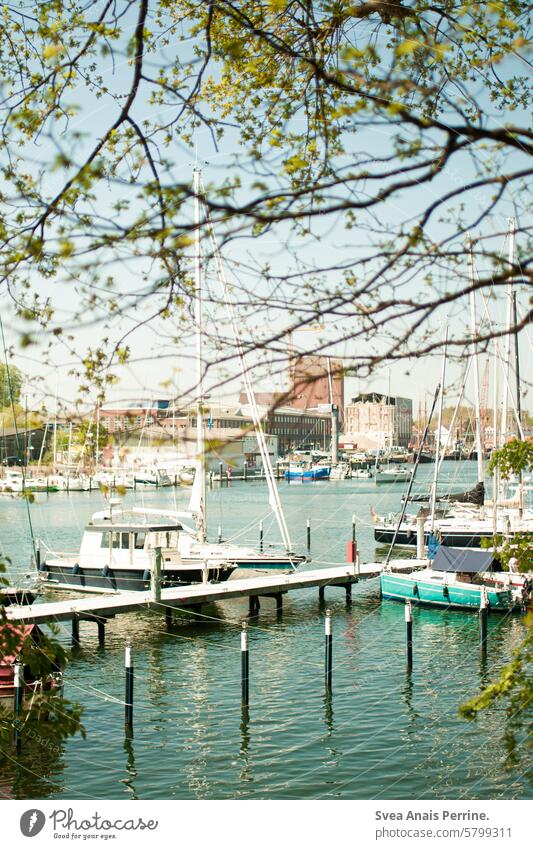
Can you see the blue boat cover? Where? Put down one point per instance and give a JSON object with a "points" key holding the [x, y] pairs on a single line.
{"points": [[462, 560]]}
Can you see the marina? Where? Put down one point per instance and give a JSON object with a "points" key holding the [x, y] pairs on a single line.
{"points": [[189, 731]]}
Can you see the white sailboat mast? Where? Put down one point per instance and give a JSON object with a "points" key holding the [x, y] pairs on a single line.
{"points": [[507, 352], [200, 446], [475, 363], [274, 499], [439, 429]]}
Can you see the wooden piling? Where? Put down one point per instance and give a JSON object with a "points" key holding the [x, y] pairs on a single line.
{"points": [[308, 534], [328, 653], [128, 701], [409, 634], [420, 542], [245, 665], [321, 592], [253, 604], [155, 576], [38, 554], [100, 624], [168, 617], [261, 535]]}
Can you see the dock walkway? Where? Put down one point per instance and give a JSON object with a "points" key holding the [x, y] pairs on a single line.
{"points": [[102, 607]]}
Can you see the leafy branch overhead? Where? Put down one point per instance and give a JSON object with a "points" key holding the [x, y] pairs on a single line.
{"points": [[395, 126]]}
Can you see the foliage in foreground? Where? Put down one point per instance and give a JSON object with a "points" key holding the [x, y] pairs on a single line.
{"points": [[50, 717], [514, 686]]}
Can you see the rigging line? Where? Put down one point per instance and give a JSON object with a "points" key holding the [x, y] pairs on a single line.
{"points": [[17, 440], [260, 436]]}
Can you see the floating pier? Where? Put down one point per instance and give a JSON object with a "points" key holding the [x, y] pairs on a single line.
{"points": [[98, 608]]}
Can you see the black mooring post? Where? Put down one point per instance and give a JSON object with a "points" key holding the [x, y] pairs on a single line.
{"points": [[18, 684], [483, 620], [168, 617], [128, 701], [245, 665], [321, 592], [409, 634], [261, 535], [308, 534], [328, 630]]}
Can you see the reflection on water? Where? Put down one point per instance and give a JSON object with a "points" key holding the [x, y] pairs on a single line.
{"points": [[382, 733]]}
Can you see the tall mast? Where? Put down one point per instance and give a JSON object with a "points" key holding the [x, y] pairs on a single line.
{"points": [[475, 363], [274, 499], [200, 447], [507, 353], [495, 441], [439, 429]]}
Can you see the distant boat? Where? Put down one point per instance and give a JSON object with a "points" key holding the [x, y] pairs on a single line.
{"points": [[16, 483], [307, 473], [340, 472], [457, 578], [392, 474], [153, 477], [362, 474]]}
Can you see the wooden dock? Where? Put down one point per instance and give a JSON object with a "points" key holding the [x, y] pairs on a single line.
{"points": [[102, 607]]}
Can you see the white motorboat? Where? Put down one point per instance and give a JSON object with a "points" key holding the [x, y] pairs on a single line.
{"points": [[118, 549], [392, 474]]}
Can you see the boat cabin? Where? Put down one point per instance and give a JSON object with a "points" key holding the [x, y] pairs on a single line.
{"points": [[124, 543]]}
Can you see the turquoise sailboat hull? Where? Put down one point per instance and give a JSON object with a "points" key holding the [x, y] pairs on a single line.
{"points": [[433, 590]]}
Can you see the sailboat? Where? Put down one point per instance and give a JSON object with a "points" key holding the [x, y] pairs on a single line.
{"points": [[118, 547], [466, 524], [454, 579]]}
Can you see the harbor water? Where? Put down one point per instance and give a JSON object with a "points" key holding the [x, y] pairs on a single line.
{"points": [[384, 733]]}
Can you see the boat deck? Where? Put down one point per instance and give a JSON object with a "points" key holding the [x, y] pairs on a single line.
{"points": [[106, 606]]}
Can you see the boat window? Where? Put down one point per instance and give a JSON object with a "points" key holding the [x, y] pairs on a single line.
{"points": [[105, 540], [140, 539], [116, 539], [125, 540]]}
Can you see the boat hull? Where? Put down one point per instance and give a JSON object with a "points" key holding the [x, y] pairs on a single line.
{"points": [[425, 592], [123, 579], [452, 538], [307, 475]]}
